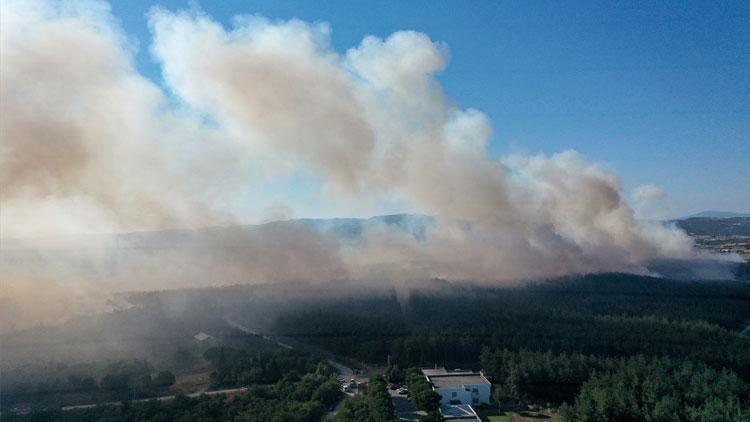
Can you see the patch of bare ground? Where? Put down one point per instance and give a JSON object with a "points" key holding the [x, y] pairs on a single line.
{"points": [[197, 380]]}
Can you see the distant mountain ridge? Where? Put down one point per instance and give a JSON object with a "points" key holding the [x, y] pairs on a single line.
{"points": [[345, 229], [716, 214], [707, 226], [352, 228]]}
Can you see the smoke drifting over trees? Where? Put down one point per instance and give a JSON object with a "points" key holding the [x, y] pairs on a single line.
{"points": [[91, 146]]}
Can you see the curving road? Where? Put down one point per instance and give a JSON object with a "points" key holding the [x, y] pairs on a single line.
{"points": [[344, 371], [228, 391]]}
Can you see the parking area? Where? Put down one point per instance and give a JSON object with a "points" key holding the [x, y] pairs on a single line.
{"points": [[404, 408]]}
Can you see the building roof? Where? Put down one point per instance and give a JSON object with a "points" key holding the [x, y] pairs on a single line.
{"points": [[458, 411], [201, 336], [457, 381], [442, 371]]}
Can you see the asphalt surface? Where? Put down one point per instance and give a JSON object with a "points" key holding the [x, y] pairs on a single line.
{"points": [[344, 371], [228, 391], [405, 410], [346, 374]]}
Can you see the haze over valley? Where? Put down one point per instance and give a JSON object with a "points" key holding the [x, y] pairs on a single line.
{"points": [[217, 214]]}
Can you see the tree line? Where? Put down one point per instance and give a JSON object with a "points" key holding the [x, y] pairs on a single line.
{"points": [[605, 315], [291, 399], [624, 389], [289, 385], [661, 389]]}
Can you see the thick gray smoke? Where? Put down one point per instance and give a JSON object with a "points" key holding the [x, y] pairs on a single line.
{"points": [[90, 146]]}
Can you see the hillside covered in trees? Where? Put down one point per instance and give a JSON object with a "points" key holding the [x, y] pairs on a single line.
{"points": [[559, 342], [564, 342], [279, 385]]}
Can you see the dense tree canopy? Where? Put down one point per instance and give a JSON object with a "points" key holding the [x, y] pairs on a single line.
{"points": [[639, 389], [612, 346], [604, 315], [250, 359], [425, 398]]}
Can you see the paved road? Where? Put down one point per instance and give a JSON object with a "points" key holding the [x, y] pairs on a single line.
{"points": [[329, 416], [244, 329], [345, 372], [405, 410], [228, 391]]}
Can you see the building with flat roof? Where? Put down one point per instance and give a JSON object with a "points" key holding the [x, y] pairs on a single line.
{"points": [[201, 337], [431, 372], [203, 341], [459, 387]]}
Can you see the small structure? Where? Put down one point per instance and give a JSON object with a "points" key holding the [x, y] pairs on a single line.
{"points": [[202, 337], [459, 412], [437, 371], [203, 341], [458, 386]]}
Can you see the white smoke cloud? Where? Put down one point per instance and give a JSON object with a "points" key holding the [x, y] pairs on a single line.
{"points": [[648, 202], [87, 143], [90, 145], [278, 89]]}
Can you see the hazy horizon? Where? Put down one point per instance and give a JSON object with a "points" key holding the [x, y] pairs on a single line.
{"points": [[210, 119], [283, 209]]}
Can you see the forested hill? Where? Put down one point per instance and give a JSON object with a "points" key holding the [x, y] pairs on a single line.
{"points": [[604, 314], [718, 214], [340, 228], [575, 340], [703, 226]]}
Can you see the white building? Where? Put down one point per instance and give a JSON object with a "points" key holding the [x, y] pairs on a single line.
{"points": [[201, 337], [203, 341], [459, 387]]}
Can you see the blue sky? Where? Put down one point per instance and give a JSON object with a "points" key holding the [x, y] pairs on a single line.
{"points": [[658, 91]]}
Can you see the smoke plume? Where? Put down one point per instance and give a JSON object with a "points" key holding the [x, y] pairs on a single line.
{"points": [[91, 146]]}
